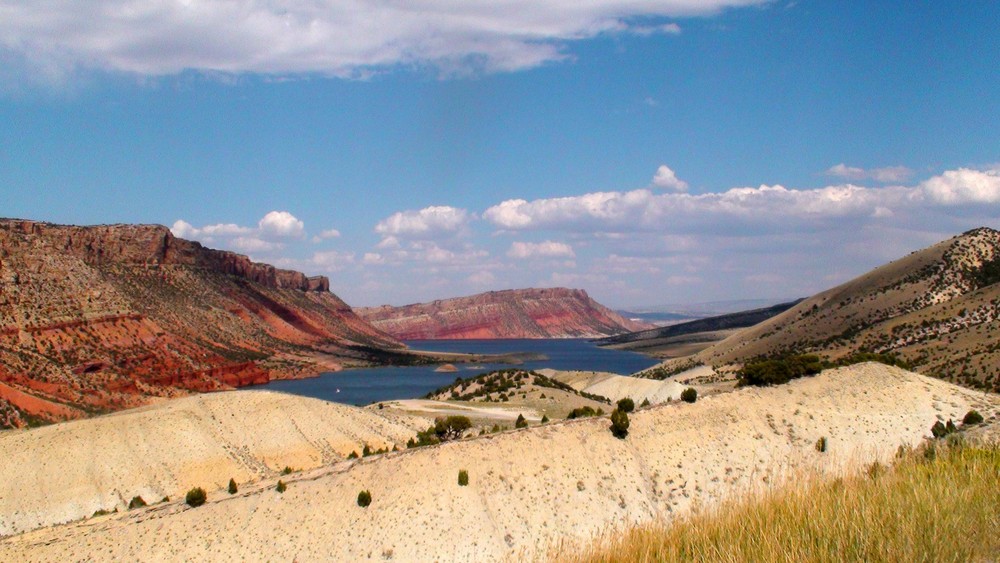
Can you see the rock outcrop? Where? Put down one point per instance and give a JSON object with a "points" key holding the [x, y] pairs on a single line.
{"points": [[100, 318], [519, 313]]}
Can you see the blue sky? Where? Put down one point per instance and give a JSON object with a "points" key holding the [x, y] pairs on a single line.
{"points": [[661, 152]]}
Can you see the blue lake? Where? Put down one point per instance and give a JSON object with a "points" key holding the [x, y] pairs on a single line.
{"points": [[369, 385]]}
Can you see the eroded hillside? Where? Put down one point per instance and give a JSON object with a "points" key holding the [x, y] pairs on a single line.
{"points": [[938, 309]]}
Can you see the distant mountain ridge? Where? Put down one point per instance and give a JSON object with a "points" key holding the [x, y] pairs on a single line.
{"points": [[101, 318], [514, 313], [938, 309]]}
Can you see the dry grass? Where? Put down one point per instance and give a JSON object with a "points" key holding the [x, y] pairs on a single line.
{"points": [[936, 504]]}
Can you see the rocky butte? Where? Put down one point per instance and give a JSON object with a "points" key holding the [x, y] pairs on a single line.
{"points": [[516, 313], [101, 318]]}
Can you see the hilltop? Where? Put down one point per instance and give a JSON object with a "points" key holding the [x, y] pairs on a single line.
{"points": [[100, 318], [936, 309], [528, 490], [516, 313]]}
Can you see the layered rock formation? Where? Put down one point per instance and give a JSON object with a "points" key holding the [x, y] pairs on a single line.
{"points": [[100, 318], [519, 313]]}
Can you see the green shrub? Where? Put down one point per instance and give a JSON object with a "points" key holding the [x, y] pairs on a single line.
{"points": [[232, 487], [972, 417], [452, 427], [776, 371], [521, 422], [545, 418], [364, 499], [288, 470], [281, 486], [645, 403], [619, 424], [689, 395], [101, 512], [136, 502], [366, 451], [581, 412], [353, 455], [196, 497], [463, 478], [626, 405], [821, 444]]}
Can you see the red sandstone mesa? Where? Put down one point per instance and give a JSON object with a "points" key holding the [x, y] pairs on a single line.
{"points": [[101, 318], [521, 313]]}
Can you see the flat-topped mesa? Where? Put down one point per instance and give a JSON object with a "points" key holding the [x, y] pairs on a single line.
{"points": [[156, 245], [514, 313]]}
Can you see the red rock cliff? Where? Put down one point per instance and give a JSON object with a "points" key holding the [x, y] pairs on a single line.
{"points": [[100, 318], [523, 313]]}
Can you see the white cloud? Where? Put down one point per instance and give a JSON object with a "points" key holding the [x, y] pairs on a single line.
{"points": [[281, 224], [888, 174], [332, 260], [743, 210], [666, 178], [327, 234], [547, 249], [348, 38], [425, 224], [963, 186], [373, 258], [271, 233], [253, 244]]}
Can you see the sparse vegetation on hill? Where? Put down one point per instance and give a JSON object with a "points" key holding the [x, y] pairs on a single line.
{"points": [[500, 386], [689, 395], [619, 424], [939, 507], [584, 412], [196, 497]]}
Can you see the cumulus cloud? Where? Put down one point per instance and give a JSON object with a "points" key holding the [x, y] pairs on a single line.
{"points": [[332, 260], [547, 249], [666, 178], [424, 224], [768, 208], [889, 174], [281, 224], [271, 233], [963, 186], [331, 37]]}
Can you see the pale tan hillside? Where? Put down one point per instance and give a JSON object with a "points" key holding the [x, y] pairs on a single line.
{"points": [[70, 470], [530, 489], [938, 309]]}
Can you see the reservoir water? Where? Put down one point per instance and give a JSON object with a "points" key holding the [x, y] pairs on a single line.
{"points": [[369, 385]]}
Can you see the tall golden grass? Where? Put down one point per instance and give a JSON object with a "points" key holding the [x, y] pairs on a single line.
{"points": [[938, 503]]}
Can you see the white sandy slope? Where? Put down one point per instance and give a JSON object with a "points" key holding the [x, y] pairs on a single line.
{"points": [[616, 387], [68, 471], [531, 489]]}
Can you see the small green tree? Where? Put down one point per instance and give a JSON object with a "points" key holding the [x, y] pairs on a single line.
{"points": [[196, 497], [364, 499], [136, 502], [521, 422], [463, 478], [281, 486], [821, 444], [689, 395], [286, 471], [545, 418], [626, 405], [619, 424], [366, 451], [972, 417], [645, 403], [232, 487]]}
